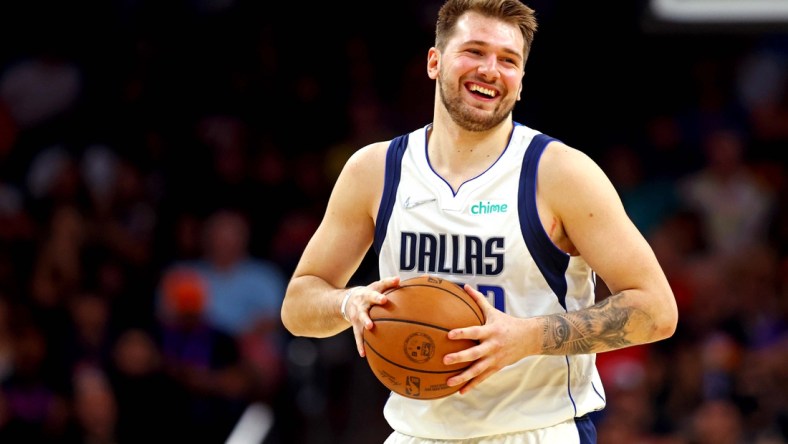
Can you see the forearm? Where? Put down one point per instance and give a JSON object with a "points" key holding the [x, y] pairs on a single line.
{"points": [[614, 323], [311, 308]]}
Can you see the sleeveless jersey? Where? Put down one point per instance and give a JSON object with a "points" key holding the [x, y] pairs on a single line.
{"points": [[487, 234]]}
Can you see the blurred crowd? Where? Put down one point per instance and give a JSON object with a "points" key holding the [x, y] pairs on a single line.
{"points": [[163, 164]]}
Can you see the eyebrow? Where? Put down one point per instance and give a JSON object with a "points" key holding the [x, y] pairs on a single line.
{"points": [[486, 44]]}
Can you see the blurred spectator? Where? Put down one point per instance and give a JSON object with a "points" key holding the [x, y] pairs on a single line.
{"points": [[779, 229], [95, 408], [52, 180], [16, 225], [41, 87], [720, 357], [648, 200], [57, 275], [270, 178], [150, 404], [204, 361], [716, 422], [630, 419], [735, 206], [87, 341], [6, 337], [291, 237], [244, 295], [682, 387], [762, 85], [678, 243], [226, 139], [667, 153], [35, 401], [122, 210], [58, 270]]}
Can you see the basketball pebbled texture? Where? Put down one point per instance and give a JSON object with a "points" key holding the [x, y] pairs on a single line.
{"points": [[406, 347]]}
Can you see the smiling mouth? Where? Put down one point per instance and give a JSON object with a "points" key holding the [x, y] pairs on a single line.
{"points": [[482, 91]]}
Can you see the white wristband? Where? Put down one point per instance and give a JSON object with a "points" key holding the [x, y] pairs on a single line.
{"points": [[343, 307]]}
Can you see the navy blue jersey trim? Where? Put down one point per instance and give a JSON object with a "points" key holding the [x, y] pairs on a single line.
{"points": [[551, 261], [586, 430], [598, 394], [394, 155]]}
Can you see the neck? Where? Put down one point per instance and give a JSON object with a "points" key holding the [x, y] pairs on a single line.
{"points": [[458, 155]]}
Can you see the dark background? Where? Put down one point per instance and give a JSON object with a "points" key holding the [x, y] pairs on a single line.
{"points": [[256, 105]]}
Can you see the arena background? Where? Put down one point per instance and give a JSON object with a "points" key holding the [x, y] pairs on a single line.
{"points": [[126, 125]]}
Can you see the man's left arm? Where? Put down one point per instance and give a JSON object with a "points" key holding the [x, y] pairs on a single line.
{"points": [[642, 307]]}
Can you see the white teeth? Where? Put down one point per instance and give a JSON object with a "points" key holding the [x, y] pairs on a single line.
{"points": [[485, 91]]}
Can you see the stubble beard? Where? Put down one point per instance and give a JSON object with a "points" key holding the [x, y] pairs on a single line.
{"points": [[464, 116]]}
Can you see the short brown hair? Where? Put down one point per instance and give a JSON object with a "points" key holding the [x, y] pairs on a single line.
{"points": [[510, 11]]}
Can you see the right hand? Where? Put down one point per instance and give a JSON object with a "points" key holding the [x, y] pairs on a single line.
{"points": [[360, 301]]}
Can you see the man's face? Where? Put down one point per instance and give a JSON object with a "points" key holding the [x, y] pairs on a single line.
{"points": [[480, 72]]}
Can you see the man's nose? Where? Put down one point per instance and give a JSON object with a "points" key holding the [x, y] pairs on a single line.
{"points": [[489, 68]]}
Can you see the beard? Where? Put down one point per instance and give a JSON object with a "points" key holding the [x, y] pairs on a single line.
{"points": [[469, 118]]}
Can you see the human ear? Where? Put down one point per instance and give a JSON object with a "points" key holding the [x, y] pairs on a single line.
{"points": [[433, 63], [520, 87]]}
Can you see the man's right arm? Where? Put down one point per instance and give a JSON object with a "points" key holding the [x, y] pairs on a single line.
{"points": [[314, 294]]}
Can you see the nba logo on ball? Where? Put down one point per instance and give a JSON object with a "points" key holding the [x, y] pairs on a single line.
{"points": [[419, 347], [413, 386]]}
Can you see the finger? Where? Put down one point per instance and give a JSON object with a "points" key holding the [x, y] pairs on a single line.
{"points": [[391, 281], [359, 341], [384, 285], [468, 355], [479, 297], [365, 320], [474, 333], [378, 298], [361, 303], [474, 382], [468, 375]]}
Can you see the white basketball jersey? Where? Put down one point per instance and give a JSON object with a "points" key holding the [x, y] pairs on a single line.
{"points": [[487, 234]]}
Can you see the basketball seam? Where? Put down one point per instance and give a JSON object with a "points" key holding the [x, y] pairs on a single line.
{"points": [[410, 321], [411, 368], [481, 321]]}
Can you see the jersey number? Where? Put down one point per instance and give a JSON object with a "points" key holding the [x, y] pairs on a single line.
{"points": [[494, 293]]}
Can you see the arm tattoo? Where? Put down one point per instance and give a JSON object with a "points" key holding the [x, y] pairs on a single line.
{"points": [[608, 325]]}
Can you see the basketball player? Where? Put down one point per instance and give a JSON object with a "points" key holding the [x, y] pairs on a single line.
{"points": [[524, 221]]}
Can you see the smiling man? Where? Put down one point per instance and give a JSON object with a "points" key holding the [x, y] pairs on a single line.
{"points": [[524, 221]]}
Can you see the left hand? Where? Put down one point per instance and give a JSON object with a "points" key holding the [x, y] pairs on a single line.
{"points": [[501, 343]]}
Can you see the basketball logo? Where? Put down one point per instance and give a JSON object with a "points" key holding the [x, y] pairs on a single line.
{"points": [[419, 347], [413, 386]]}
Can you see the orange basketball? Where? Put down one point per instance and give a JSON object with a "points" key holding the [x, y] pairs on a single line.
{"points": [[406, 347]]}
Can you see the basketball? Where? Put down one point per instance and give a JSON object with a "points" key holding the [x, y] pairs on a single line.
{"points": [[406, 347]]}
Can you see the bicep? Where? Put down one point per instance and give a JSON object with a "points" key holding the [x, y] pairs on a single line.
{"points": [[346, 231], [611, 244], [598, 226]]}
